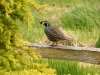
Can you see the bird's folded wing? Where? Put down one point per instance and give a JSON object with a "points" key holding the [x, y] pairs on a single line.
{"points": [[54, 33]]}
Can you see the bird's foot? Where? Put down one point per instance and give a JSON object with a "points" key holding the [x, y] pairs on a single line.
{"points": [[53, 44]]}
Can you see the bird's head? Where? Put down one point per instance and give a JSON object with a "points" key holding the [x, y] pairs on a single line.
{"points": [[46, 23]]}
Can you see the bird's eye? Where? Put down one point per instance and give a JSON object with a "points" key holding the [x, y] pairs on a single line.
{"points": [[46, 24]]}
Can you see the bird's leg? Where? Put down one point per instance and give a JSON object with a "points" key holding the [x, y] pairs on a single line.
{"points": [[56, 44], [52, 44]]}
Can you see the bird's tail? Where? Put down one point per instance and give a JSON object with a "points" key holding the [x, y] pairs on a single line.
{"points": [[69, 40]]}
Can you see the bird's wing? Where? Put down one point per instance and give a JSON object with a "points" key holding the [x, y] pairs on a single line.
{"points": [[56, 33]]}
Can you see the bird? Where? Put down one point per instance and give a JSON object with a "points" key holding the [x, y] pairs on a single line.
{"points": [[53, 34]]}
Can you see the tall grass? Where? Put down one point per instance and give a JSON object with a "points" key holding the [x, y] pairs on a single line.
{"points": [[98, 42], [83, 18], [68, 3], [84, 22], [33, 34], [73, 68], [64, 67]]}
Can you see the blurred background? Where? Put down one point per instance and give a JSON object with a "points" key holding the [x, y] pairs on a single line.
{"points": [[78, 19]]}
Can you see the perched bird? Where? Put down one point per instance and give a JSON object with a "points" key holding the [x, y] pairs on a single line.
{"points": [[53, 34]]}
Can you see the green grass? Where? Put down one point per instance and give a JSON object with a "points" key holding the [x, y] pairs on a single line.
{"points": [[64, 67], [66, 3], [33, 34], [73, 68], [83, 22], [80, 18]]}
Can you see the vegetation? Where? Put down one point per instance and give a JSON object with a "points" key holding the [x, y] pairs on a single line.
{"points": [[98, 42], [79, 18], [16, 59], [83, 21], [73, 68]]}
